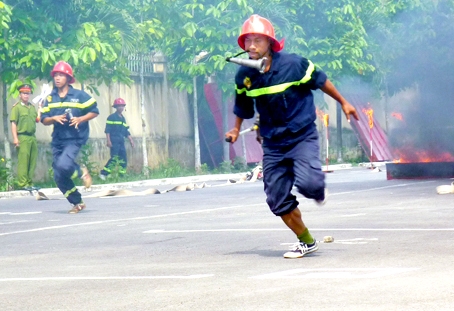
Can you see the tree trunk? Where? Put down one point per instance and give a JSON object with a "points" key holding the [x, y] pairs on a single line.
{"points": [[166, 101], [5, 127], [142, 110], [196, 128], [339, 132], [225, 123]]}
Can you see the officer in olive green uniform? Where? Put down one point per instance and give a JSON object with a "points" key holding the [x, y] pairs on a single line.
{"points": [[23, 127]]}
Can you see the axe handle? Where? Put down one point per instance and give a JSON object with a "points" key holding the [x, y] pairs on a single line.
{"points": [[251, 129]]}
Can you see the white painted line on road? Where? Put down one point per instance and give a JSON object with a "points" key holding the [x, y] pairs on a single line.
{"points": [[378, 188], [213, 230], [353, 215], [355, 241], [284, 229], [19, 214], [14, 222], [96, 278], [385, 229], [348, 241], [100, 222], [342, 273]]}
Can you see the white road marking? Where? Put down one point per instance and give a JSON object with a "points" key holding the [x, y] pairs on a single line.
{"points": [[19, 214], [213, 230], [129, 219], [348, 241], [378, 188], [353, 215], [96, 278], [285, 229], [14, 222], [342, 273], [355, 241]]}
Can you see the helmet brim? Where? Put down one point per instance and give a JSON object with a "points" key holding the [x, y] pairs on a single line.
{"points": [[71, 81]]}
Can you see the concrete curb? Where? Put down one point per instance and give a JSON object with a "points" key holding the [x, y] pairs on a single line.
{"points": [[132, 184], [153, 182], [336, 167]]}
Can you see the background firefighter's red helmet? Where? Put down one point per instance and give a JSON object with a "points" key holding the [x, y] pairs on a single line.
{"points": [[259, 25], [65, 68], [119, 102]]}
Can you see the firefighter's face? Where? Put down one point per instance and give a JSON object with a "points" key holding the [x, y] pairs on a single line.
{"points": [[257, 45], [120, 108], [60, 79]]}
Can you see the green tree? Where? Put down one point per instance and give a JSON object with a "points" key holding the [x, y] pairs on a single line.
{"points": [[87, 34]]}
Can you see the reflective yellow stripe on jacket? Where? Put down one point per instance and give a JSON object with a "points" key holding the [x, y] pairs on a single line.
{"points": [[87, 104], [280, 87], [116, 123]]}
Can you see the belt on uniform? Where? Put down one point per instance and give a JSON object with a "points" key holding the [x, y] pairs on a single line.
{"points": [[25, 134]]}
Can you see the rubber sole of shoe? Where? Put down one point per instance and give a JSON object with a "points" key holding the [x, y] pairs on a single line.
{"points": [[295, 255]]}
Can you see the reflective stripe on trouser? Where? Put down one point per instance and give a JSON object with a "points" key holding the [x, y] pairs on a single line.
{"points": [[118, 149], [64, 165], [26, 160], [299, 165]]}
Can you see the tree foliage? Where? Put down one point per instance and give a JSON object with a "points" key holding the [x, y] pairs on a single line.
{"points": [[94, 36], [346, 38]]}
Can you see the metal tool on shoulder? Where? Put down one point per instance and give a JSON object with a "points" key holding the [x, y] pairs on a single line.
{"points": [[259, 64]]}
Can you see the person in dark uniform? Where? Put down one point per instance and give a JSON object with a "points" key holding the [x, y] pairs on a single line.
{"points": [[69, 111], [24, 117], [116, 132], [283, 97]]}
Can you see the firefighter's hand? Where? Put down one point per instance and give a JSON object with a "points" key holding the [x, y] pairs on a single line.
{"points": [[109, 144], [132, 143], [60, 119], [75, 121], [349, 110], [232, 135]]}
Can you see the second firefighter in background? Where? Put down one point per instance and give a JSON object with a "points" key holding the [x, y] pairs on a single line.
{"points": [[116, 132]]}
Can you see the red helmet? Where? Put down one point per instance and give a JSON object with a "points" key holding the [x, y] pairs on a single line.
{"points": [[260, 26], [119, 102], [65, 68]]}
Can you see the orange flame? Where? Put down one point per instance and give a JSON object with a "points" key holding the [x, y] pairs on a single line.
{"points": [[323, 116], [370, 115], [397, 115], [326, 119], [409, 155]]}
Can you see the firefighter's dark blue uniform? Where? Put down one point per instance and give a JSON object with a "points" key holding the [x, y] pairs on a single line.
{"points": [[284, 100], [118, 130], [67, 140]]}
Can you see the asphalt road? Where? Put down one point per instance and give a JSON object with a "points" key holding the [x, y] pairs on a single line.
{"points": [[220, 248]]}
